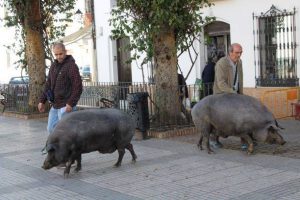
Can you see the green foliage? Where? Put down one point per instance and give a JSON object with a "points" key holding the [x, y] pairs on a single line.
{"points": [[54, 15], [141, 20]]}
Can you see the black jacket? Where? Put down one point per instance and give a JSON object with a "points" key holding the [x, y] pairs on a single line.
{"points": [[208, 74]]}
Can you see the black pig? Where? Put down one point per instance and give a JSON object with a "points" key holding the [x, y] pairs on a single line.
{"points": [[103, 130], [235, 115]]}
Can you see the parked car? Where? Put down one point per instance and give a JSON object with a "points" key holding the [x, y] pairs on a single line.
{"points": [[18, 86], [19, 80], [85, 72]]}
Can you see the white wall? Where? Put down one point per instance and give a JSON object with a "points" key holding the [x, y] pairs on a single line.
{"points": [[106, 48], [140, 73], [107, 53], [7, 57], [238, 13], [185, 64]]}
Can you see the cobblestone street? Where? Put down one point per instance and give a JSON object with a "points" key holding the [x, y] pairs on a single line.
{"points": [[291, 133], [165, 169]]}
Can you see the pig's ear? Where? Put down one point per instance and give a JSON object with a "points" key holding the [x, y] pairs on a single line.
{"points": [[278, 125], [274, 128], [51, 147]]}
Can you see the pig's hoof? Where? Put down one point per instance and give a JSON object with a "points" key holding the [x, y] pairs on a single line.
{"points": [[117, 165], [200, 147], [77, 169], [210, 152], [134, 158], [66, 175]]}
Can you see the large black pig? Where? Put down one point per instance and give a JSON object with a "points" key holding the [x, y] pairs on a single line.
{"points": [[103, 130], [235, 115]]}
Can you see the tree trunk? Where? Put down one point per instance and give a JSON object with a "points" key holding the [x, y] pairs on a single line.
{"points": [[35, 53], [167, 96]]}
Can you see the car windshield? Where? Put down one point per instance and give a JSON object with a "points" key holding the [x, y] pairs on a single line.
{"points": [[19, 80], [86, 69]]}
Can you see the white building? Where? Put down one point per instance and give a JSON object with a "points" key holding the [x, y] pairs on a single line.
{"points": [[268, 32], [8, 66], [7, 57], [236, 21], [249, 23]]}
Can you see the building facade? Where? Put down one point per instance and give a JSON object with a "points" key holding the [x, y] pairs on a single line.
{"points": [[267, 30]]}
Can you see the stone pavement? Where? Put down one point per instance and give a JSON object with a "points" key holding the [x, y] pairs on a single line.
{"points": [[165, 169], [291, 133]]}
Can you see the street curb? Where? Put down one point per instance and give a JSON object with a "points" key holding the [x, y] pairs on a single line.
{"points": [[171, 133]]}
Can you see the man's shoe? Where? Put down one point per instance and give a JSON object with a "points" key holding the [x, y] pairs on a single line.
{"points": [[244, 147], [215, 145]]}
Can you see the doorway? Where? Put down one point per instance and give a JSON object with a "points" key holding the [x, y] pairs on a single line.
{"points": [[217, 38], [124, 67], [123, 55]]}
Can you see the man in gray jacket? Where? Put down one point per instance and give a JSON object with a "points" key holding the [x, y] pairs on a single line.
{"points": [[229, 72], [229, 78]]}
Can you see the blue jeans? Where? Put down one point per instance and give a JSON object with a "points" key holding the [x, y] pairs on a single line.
{"points": [[54, 116]]}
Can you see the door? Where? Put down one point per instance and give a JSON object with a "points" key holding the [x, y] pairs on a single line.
{"points": [[217, 38], [124, 68]]}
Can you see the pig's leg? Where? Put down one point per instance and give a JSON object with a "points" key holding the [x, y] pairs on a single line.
{"points": [[200, 142], [206, 130], [217, 135], [209, 150], [130, 149], [249, 140], [68, 167], [121, 152], [78, 161]]}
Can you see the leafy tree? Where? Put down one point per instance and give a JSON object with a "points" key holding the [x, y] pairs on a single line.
{"points": [[37, 23], [160, 30]]}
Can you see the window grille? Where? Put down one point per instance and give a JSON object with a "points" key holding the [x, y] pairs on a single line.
{"points": [[275, 48]]}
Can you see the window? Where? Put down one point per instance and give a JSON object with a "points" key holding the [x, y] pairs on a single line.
{"points": [[275, 48]]}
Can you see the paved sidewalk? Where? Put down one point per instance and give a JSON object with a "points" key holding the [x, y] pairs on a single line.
{"points": [[291, 133], [165, 169]]}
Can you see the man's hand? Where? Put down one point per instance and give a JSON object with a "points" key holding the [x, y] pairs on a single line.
{"points": [[41, 107], [68, 108]]}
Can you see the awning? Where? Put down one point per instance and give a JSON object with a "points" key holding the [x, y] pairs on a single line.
{"points": [[217, 28], [78, 35]]}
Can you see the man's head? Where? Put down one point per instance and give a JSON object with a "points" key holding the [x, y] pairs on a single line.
{"points": [[59, 51], [235, 52]]}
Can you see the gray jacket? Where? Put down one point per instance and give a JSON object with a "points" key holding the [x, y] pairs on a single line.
{"points": [[224, 77]]}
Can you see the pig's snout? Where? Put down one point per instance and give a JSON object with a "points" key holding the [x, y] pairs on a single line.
{"points": [[280, 142], [46, 165]]}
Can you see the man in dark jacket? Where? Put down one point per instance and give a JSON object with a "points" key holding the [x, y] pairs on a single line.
{"points": [[183, 89], [63, 87], [208, 76]]}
